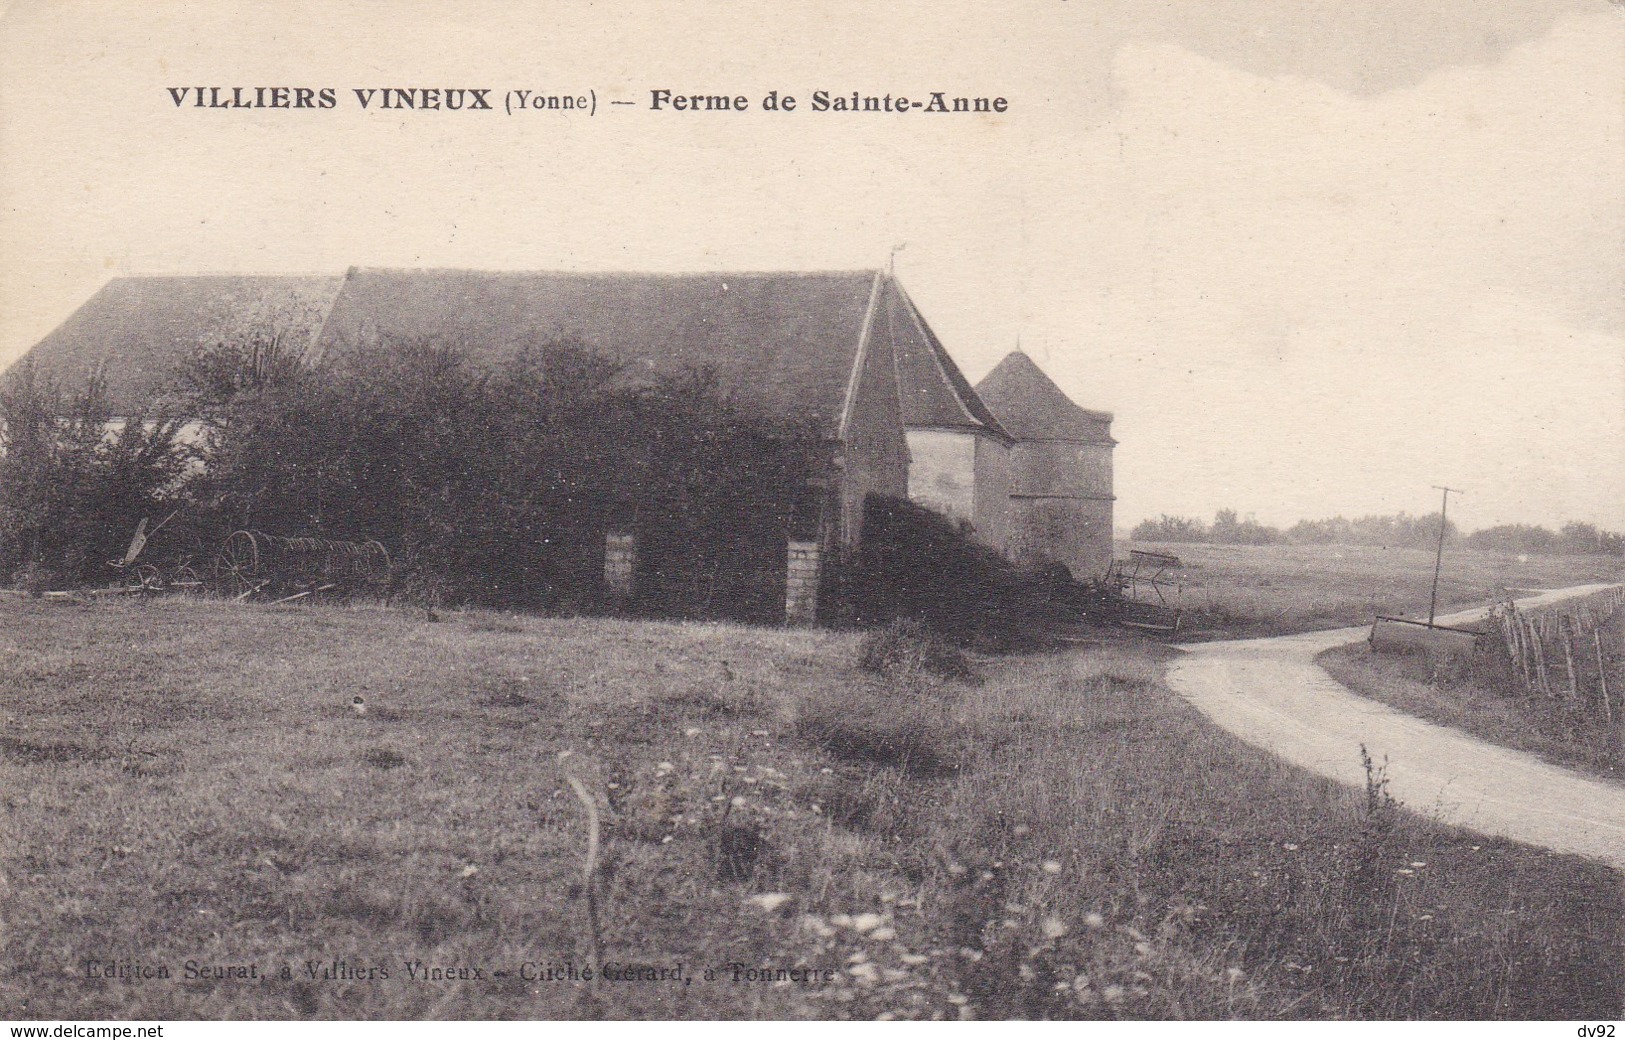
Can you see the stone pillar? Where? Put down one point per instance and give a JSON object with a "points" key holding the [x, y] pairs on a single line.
{"points": [[620, 564], [801, 583]]}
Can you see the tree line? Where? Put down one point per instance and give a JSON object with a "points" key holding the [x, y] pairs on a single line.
{"points": [[1397, 530]]}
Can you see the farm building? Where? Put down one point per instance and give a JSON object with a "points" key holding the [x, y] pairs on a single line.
{"points": [[844, 360], [1060, 470]]}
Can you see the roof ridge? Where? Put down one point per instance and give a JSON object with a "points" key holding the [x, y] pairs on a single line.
{"points": [[171, 276], [939, 353], [855, 272]]}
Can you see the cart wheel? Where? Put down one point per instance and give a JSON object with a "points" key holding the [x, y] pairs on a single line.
{"points": [[236, 568]]}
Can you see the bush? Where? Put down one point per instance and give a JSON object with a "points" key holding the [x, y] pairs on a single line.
{"points": [[496, 486], [75, 480], [918, 565], [905, 649]]}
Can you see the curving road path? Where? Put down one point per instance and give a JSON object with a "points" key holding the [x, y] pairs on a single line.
{"points": [[1271, 693]]}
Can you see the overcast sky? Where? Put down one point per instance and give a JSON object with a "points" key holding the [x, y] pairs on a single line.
{"points": [[1315, 256]]}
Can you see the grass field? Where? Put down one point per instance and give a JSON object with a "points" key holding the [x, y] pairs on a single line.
{"points": [[1239, 591], [1059, 837]]}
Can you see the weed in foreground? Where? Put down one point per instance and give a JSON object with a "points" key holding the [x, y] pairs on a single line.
{"points": [[916, 735], [907, 649]]}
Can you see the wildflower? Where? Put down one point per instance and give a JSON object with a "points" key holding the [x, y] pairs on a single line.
{"points": [[1052, 866], [470, 870], [1113, 992], [914, 959], [738, 802], [958, 999], [1080, 983], [1094, 921], [758, 732], [826, 771], [1020, 830], [841, 921], [883, 934], [1404, 870], [692, 731], [665, 767], [866, 974], [1233, 973], [1418, 864], [1289, 846], [867, 922], [1053, 927], [858, 957], [769, 901]]}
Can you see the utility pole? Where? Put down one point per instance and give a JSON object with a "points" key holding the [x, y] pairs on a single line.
{"points": [[1438, 559]]}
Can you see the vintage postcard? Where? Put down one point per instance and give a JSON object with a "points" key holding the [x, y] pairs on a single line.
{"points": [[959, 511]]}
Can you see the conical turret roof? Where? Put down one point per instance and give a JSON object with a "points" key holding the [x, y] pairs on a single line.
{"points": [[1030, 406]]}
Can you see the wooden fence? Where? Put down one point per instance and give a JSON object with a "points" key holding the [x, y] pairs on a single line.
{"points": [[1560, 652]]}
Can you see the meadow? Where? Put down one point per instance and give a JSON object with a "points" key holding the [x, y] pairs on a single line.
{"points": [[1242, 591], [784, 834]]}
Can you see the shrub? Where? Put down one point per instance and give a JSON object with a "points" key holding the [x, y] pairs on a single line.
{"points": [[74, 480], [906, 648], [919, 565], [496, 485]]}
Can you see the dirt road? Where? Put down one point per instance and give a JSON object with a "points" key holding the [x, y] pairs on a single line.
{"points": [[1271, 693]]}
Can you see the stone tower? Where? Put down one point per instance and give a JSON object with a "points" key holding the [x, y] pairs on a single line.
{"points": [[1060, 470]]}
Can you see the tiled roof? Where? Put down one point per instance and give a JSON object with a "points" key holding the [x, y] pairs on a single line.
{"points": [[141, 329], [785, 343], [1031, 407]]}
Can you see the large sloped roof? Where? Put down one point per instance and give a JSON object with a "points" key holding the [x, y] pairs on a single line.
{"points": [[935, 393], [140, 329], [1031, 407], [785, 343]]}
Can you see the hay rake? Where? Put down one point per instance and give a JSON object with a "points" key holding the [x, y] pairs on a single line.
{"points": [[252, 562]]}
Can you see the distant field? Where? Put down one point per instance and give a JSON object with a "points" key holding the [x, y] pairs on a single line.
{"points": [[1235, 591], [185, 781]]}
